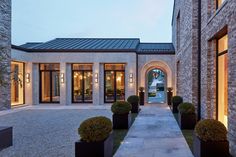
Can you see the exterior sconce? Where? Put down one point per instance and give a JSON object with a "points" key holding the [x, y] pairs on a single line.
{"points": [[62, 78], [131, 78], [96, 77], [28, 78]]}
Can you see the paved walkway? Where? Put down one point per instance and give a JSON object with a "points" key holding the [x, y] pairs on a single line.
{"points": [[155, 133]]}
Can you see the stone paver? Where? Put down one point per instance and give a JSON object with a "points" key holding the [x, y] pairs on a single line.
{"points": [[155, 133], [44, 131]]}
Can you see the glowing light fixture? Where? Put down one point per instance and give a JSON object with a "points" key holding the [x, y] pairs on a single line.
{"points": [[96, 77], [28, 77], [62, 78], [131, 78]]}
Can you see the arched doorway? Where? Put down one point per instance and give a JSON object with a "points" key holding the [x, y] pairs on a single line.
{"points": [[156, 86]]}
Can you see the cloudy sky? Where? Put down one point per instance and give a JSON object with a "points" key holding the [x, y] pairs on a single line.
{"points": [[43, 20]]}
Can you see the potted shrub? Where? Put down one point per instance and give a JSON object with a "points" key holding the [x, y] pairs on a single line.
{"points": [[169, 95], [121, 115], [141, 96], [187, 116], [176, 100], [96, 138], [210, 139], [134, 101]]}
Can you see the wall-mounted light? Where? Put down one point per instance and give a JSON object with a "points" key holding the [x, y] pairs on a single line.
{"points": [[28, 78], [96, 77], [62, 78], [131, 78]]}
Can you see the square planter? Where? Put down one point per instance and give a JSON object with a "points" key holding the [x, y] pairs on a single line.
{"points": [[210, 148], [135, 108], [5, 137], [187, 121], [121, 121], [94, 149], [141, 97]]}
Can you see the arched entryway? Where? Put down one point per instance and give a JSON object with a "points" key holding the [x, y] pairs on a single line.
{"points": [[156, 86]]}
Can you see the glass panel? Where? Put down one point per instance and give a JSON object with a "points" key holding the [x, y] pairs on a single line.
{"points": [[55, 86], [110, 87], [114, 66], [220, 2], [120, 86], [88, 87], [82, 67], [45, 86], [223, 44], [223, 89], [78, 87], [156, 86], [17, 83], [49, 66]]}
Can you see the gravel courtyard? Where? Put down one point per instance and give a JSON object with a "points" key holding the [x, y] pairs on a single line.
{"points": [[46, 133]]}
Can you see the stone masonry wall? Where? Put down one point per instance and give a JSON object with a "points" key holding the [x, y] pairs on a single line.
{"points": [[213, 22], [187, 54], [5, 50]]}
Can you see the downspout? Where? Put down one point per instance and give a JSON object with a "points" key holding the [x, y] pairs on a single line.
{"points": [[199, 59], [137, 73]]}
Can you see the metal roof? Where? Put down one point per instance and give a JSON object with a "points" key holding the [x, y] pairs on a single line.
{"points": [[98, 45]]}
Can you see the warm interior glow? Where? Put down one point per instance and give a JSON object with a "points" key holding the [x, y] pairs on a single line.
{"points": [[220, 2], [17, 83]]}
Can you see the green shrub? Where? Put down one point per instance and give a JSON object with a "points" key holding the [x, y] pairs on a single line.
{"points": [[95, 129], [121, 107], [133, 99], [186, 108], [177, 100], [211, 130]]}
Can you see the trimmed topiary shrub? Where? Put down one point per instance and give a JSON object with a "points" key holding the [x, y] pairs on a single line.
{"points": [[95, 129], [186, 108], [133, 99], [121, 107], [177, 100], [211, 130]]}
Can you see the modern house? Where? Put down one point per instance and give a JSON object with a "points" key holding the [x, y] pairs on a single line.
{"points": [[200, 66], [70, 71]]}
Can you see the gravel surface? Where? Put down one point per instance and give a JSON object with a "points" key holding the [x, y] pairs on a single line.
{"points": [[46, 133]]}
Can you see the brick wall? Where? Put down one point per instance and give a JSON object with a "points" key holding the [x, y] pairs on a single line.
{"points": [[5, 49]]}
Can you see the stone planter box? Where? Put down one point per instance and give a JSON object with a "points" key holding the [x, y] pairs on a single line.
{"points": [[135, 108], [94, 149], [210, 148], [121, 121], [169, 97], [141, 97], [5, 137], [187, 121]]}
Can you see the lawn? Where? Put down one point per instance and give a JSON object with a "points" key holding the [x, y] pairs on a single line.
{"points": [[119, 135]]}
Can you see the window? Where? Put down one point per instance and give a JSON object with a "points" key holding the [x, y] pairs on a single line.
{"points": [[114, 82], [178, 32], [219, 3], [17, 83], [49, 83], [222, 90], [82, 83]]}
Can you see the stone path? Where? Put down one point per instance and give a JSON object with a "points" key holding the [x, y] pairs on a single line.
{"points": [[155, 133]]}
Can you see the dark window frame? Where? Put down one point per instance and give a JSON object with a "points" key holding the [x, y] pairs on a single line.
{"points": [[40, 85]]}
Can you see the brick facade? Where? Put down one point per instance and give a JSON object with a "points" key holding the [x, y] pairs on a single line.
{"points": [[5, 50], [213, 23]]}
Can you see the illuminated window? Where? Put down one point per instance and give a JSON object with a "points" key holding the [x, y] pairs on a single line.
{"points": [[82, 83], [114, 82], [223, 79], [219, 3], [17, 83]]}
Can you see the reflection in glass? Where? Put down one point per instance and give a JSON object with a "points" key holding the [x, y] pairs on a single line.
{"points": [[110, 86], [17, 83], [156, 86], [120, 86], [45, 86], [55, 86]]}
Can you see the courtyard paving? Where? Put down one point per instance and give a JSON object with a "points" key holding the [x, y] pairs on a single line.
{"points": [[155, 133]]}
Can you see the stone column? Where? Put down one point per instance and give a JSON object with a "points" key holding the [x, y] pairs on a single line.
{"points": [[63, 84], [5, 53], [96, 85], [29, 85]]}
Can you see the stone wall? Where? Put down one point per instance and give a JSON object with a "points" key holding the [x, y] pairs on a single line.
{"points": [[213, 23], [5, 50], [187, 54]]}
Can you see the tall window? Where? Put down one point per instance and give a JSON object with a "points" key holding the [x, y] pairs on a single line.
{"points": [[219, 3], [114, 82], [223, 79], [82, 83], [49, 83], [17, 83]]}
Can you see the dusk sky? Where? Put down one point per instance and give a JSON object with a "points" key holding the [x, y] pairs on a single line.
{"points": [[43, 20]]}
